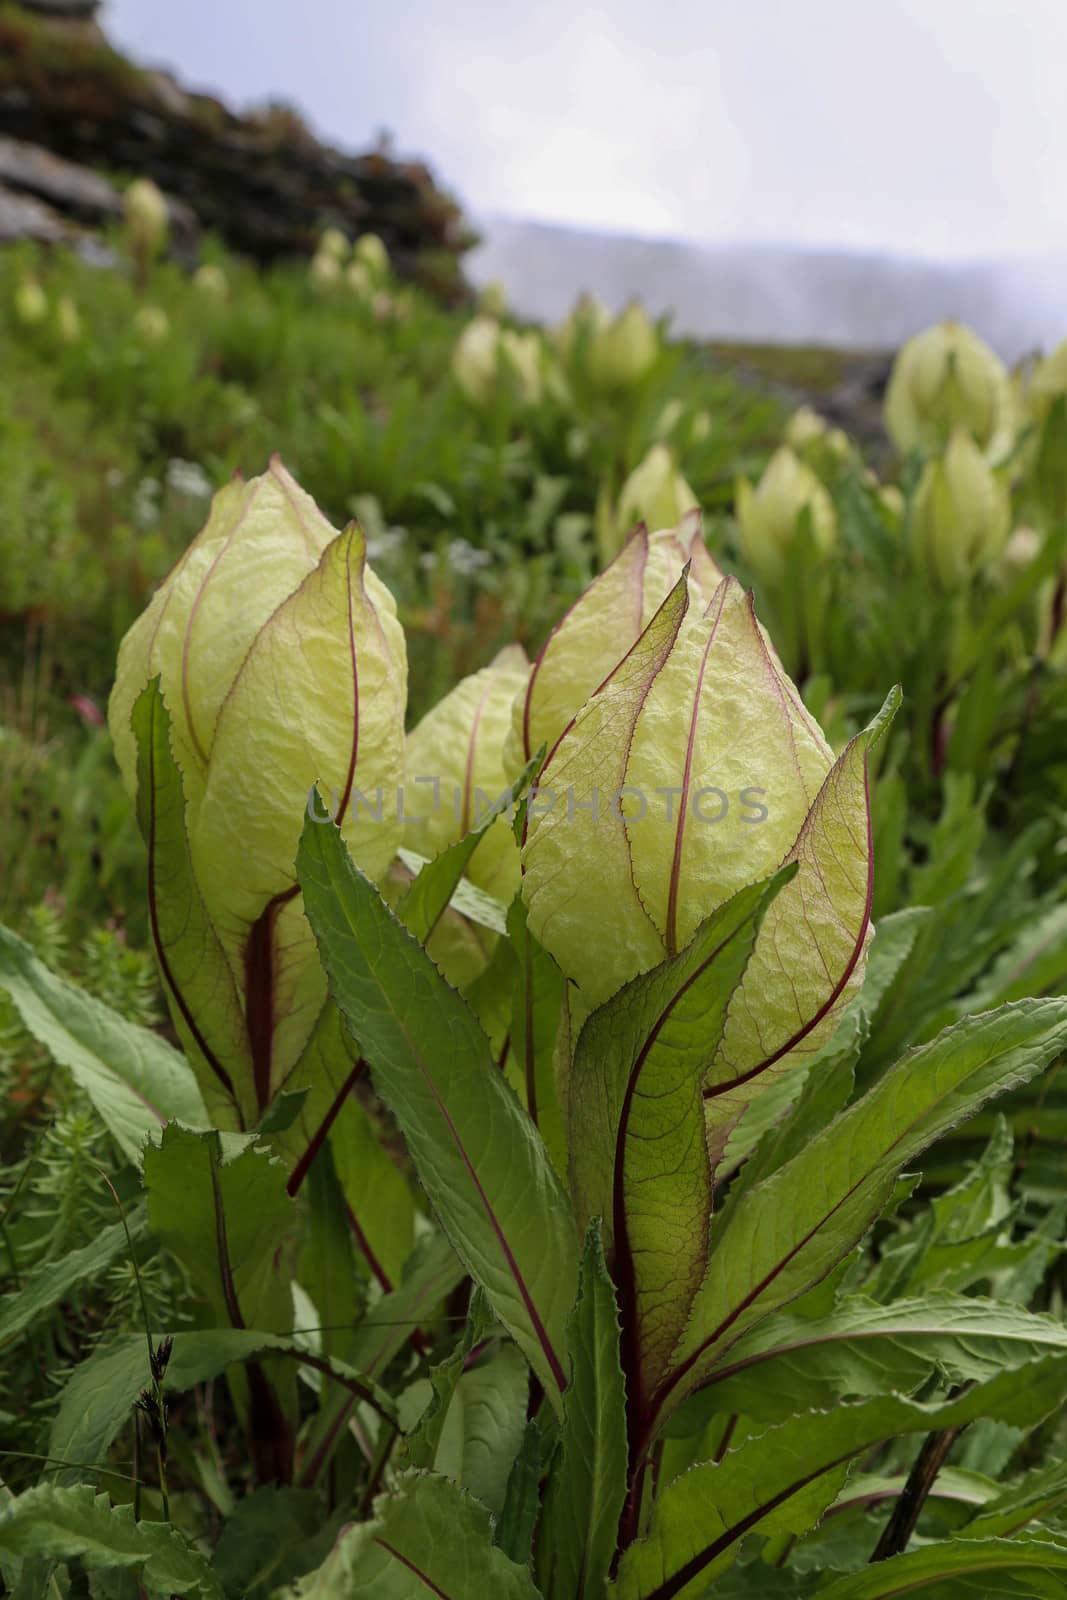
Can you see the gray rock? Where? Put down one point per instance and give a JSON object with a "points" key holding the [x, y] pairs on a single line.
{"points": [[80, 193], [23, 217], [76, 190]]}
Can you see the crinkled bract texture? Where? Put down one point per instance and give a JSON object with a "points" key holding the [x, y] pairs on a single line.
{"points": [[455, 772], [283, 666], [258, 545], [603, 624], [694, 771]]}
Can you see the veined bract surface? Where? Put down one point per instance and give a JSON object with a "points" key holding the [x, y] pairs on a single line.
{"points": [[693, 771], [281, 665]]}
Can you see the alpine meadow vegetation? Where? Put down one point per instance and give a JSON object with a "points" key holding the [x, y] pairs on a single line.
{"points": [[533, 993]]}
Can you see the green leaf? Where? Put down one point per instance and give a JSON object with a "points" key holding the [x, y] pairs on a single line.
{"points": [[954, 1570], [518, 1515], [587, 1488], [1032, 1499], [778, 1125], [378, 1198], [427, 1538], [1035, 962], [537, 1017], [782, 1481], [323, 1076], [952, 1484], [639, 1156], [197, 978], [792, 1363], [424, 1436], [437, 881], [282, 1111], [75, 1522], [893, 942], [134, 1079], [790, 1231], [483, 1425], [481, 1161], [431, 1274], [98, 1399], [274, 1536], [224, 1218], [327, 1264], [54, 1280]]}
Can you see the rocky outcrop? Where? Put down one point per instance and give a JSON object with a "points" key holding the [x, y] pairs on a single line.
{"points": [[263, 183], [66, 10], [58, 199]]}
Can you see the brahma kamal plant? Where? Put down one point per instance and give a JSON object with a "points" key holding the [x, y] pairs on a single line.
{"points": [[849, 571], [650, 1158], [579, 1264]]}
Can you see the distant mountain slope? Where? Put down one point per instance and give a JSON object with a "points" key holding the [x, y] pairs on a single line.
{"points": [[766, 294]]}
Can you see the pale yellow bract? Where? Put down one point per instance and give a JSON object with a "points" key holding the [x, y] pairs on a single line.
{"points": [[693, 771], [282, 666]]}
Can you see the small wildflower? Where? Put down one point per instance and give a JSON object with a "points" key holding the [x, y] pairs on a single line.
{"points": [[465, 558], [189, 479]]}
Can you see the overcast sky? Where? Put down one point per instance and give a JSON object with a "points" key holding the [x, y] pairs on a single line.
{"points": [[936, 127]]}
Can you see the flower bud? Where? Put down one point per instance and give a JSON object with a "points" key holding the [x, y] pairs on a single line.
{"points": [[359, 280], [587, 318], [693, 771], [325, 271], [669, 418], [31, 303], [602, 625], [475, 359], [146, 219], [892, 499], [624, 350], [768, 515], [333, 243], [838, 445], [487, 356], [493, 299], [152, 324], [211, 281], [282, 665], [1047, 382], [804, 427], [948, 378], [655, 493], [456, 772], [68, 322], [1020, 552], [522, 356], [1047, 452], [370, 250], [961, 514]]}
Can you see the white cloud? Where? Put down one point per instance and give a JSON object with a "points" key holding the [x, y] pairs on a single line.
{"points": [[931, 126]]}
